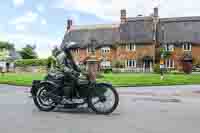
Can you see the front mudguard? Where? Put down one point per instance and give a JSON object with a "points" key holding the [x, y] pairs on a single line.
{"points": [[100, 88], [37, 83]]}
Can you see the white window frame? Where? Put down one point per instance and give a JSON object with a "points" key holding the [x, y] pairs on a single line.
{"points": [[75, 51], [105, 64], [89, 49], [188, 45], [131, 66], [131, 47], [169, 47], [123, 46], [105, 50], [169, 63]]}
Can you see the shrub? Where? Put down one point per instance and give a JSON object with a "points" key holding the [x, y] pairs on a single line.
{"points": [[51, 62], [31, 62], [99, 75], [156, 68], [107, 70], [118, 64]]}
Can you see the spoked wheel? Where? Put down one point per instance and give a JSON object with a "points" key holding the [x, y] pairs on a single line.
{"points": [[104, 99], [42, 99]]}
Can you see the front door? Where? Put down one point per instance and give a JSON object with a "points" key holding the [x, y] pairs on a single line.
{"points": [[147, 65]]}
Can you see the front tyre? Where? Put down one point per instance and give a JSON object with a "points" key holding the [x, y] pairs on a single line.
{"points": [[42, 100], [103, 99]]}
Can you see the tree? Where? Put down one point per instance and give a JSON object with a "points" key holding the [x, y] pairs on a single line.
{"points": [[55, 51], [6, 45], [28, 52], [166, 54]]}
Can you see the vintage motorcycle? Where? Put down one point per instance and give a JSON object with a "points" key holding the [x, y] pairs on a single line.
{"points": [[47, 94]]}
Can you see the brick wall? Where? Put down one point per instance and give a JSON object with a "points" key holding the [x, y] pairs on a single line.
{"points": [[119, 53], [196, 51], [178, 53]]}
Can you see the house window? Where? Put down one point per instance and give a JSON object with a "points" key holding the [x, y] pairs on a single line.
{"points": [[123, 46], [187, 47], [131, 47], [131, 63], [169, 47], [169, 63], [105, 64], [105, 50], [75, 51], [90, 49]]}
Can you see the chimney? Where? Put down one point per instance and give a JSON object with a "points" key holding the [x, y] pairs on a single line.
{"points": [[69, 24], [155, 12], [123, 16]]}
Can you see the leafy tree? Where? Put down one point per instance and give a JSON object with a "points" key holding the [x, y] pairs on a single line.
{"points": [[55, 51], [28, 52], [6, 45], [166, 54], [51, 62]]}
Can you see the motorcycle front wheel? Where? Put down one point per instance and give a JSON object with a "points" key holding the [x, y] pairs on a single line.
{"points": [[103, 99]]}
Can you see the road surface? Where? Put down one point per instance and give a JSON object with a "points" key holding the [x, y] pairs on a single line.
{"points": [[174, 109]]}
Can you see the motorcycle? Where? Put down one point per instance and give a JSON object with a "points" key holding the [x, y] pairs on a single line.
{"points": [[47, 94]]}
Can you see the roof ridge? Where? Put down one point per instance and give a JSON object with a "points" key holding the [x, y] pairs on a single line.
{"points": [[95, 26], [184, 18]]}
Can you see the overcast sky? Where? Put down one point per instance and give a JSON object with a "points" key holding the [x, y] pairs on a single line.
{"points": [[43, 22]]}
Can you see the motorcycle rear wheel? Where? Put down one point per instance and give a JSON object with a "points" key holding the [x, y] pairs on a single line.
{"points": [[43, 102], [100, 95]]}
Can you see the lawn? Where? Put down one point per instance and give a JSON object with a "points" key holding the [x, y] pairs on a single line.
{"points": [[26, 79], [22, 79], [150, 79]]}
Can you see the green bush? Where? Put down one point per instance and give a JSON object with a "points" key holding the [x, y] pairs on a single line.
{"points": [[108, 71], [156, 68], [118, 64], [99, 75], [31, 62]]}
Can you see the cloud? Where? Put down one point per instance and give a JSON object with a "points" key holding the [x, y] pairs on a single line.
{"points": [[110, 9], [107, 9], [28, 17], [18, 3], [43, 21], [20, 27], [40, 8], [75, 18]]}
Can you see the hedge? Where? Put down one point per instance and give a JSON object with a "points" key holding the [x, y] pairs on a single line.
{"points": [[31, 62]]}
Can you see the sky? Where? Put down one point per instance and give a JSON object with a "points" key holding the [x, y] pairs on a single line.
{"points": [[43, 22]]}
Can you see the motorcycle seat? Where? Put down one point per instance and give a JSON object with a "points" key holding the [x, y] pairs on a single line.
{"points": [[83, 82]]}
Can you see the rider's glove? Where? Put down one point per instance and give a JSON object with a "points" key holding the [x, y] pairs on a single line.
{"points": [[76, 74]]}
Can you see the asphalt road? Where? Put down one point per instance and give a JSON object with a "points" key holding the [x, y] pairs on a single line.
{"points": [[141, 110]]}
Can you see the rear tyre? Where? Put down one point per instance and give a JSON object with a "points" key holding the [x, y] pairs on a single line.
{"points": [[42, 100], [103, 99]]}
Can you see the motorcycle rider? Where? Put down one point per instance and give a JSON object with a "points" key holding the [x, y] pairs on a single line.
{"points": [[66, 66]]}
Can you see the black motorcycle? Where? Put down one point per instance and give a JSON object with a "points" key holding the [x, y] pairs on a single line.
{"points": [[47, 94]]}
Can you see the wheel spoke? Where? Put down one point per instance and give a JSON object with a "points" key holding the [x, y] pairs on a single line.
{"points": [[105, 101], [97, 102]]}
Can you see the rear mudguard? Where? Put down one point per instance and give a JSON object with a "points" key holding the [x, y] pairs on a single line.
{"points": [[37, 84]]}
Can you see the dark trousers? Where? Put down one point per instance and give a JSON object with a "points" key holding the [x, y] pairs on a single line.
{"points": [[70, 85]]}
